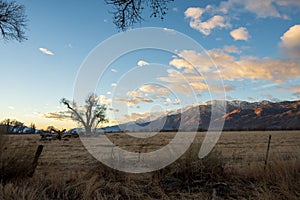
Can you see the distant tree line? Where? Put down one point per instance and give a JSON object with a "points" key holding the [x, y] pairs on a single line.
{"points": [[15, 126]]}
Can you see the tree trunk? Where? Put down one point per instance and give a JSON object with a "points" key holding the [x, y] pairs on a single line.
{"points": [[88, 130], [7, 127]]}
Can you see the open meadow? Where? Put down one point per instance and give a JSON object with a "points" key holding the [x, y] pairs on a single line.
{"points": [[235, 169]]}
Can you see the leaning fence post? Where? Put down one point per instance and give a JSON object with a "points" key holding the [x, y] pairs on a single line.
{"points": [[35, 160], [268, 149]]}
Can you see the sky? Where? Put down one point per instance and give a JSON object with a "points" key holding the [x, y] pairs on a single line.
{"points": [[255, 45]]}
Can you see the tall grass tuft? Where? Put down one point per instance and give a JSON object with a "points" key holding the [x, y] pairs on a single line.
{"points": [[15, 161]]}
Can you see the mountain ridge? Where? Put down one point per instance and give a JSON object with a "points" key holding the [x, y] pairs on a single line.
{"points": [[239, 115]]}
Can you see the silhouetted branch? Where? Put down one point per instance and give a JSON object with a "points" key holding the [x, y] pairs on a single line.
{"points": [[128, 12], [12, 21], [77, 116]]}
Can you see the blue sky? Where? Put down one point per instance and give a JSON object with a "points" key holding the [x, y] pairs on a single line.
{"points": [[255, 44]]}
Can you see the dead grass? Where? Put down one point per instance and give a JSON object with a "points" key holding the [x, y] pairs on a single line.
{"points": [[67, 171], [15, 161], [280, 179]]}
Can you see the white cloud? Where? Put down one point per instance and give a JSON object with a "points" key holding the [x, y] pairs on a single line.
{"points": [[179, 86], [240, 34], [180, 63], [114, 70], [214, 22], [46, 51], [261, 8], [156, 90], [113, 85], [142, 63], [221, 15], [194, 13], [108, 93], [291, 38], [134, 93], [205, 27], [134, 100], [288, 2], [145, 93], [202, 62], [190, 59], [290, 42], [187, 83], [231, 69], [104, 100], [11, 107], [148, 88], [61, 115], [231, 49]]}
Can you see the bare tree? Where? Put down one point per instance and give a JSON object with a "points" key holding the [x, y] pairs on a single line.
{"points": [[90, 115], [128, 12], [12, 21], [32, 127]]}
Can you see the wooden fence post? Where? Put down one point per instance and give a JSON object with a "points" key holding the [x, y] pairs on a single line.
{"points": [[35, 160], [268, 149]]}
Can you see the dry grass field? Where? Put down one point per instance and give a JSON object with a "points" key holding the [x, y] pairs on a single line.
{"points": [[235, 169]]}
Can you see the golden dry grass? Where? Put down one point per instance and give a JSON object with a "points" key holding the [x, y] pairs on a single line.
{"points": [[15, 158], [234, 170]]}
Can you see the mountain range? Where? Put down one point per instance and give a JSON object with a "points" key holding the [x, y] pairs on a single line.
{"points": [[236, 115]]}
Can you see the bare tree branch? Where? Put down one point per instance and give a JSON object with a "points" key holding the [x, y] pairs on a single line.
{"points": [[128, 12], [74, 111], [12, 21]]}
